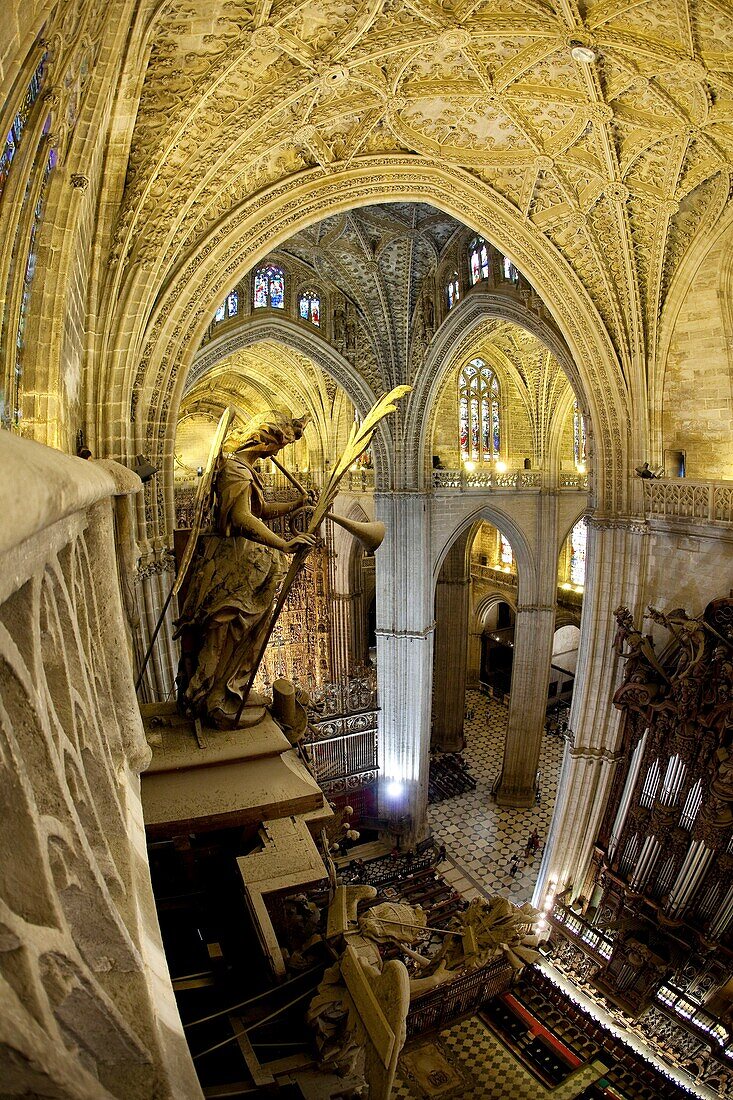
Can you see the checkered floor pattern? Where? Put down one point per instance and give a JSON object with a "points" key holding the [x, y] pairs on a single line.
{"points": [[480, 837], [487, 1069]]}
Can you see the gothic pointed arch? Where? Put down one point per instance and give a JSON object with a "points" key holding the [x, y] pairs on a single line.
{"points": [[145, 366]]}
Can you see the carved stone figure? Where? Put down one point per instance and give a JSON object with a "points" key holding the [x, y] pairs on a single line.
{"points": [[643, 670], [429, 313], [235, 577], [339, 327]]}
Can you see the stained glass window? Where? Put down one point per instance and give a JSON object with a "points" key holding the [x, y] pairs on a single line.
{"points": [[579, 440], [510, 271], [277, 288], [269, 288], [14, 136], [453, 290], [309, 307], [578, 537], [220, 313], [479, 260], [505, 550], [260, 296], [479, 429], [232, 303]]}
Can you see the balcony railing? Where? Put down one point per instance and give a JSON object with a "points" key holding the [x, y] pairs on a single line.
{"points": [[510, 479], [698, 501], [494, 574]]}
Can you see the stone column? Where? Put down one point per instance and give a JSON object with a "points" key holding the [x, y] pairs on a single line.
{"points": [[473, 650], [405, 629], [155, 576], [616, 564], [451, 630], [533, 631], [346, 611], [534, 627]]}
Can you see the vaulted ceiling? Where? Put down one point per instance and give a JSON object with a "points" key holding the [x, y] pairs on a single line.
{"points": [[379, 257], [618, 162]]}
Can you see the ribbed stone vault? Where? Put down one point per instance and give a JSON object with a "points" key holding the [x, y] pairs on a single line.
{"points": [[618, 162]]}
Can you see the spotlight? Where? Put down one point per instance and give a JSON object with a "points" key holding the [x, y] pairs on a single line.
{"points": [[469, 467], [501, 467], [394, 788]]}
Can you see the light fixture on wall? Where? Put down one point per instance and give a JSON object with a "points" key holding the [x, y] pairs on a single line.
{"points": [[469, 466], [580, 467], [500, 467]]}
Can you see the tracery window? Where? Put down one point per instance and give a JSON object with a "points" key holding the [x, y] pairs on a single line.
{"points": [[510, 271], [479, 417], [228, 308], [453, 290], [579, 439], [506, 553], [269, 288], [478, 260], [309, 307], [15, 134], [578, 538]]}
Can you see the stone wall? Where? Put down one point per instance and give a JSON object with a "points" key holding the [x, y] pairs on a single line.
{"points": [[697, 412], [86, 1004]]}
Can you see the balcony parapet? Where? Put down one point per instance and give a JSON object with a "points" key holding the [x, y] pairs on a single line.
{"points": [[681, 500], [511, 479]]}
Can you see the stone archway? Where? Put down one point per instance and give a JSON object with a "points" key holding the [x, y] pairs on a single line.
{"points": [[147, 368], [159, 329]]}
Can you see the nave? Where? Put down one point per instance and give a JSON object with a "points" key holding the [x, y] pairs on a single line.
{"points": [[481, 838]]}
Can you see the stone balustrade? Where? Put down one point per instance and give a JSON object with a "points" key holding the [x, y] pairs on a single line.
{"points": [[689, 501], [489, 478], [86, 1005]]}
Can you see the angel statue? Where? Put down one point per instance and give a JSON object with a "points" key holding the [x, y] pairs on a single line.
{"points": [[235, 593], [229, 605]]}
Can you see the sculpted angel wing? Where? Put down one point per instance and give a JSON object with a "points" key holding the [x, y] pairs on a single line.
{"points": [[203, 494]]}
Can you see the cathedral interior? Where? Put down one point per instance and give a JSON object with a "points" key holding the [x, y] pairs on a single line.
{"points": [[468, 264]]}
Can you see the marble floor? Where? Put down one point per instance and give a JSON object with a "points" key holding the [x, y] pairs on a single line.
{"points": [[463, 1061], [466, 1060], [480, 837]]}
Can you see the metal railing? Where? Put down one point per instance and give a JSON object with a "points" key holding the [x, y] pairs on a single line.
{"points": [[456, 998]]}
